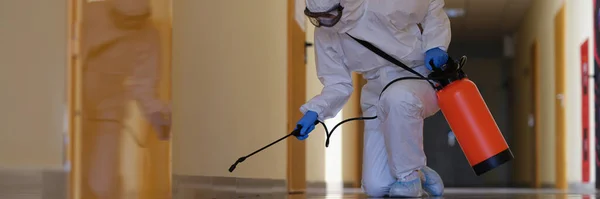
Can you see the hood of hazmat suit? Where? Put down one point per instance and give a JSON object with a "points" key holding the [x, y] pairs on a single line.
{"points": [[121, 59], [131, 7], [321, 5], [129, 13], [353, 10]]}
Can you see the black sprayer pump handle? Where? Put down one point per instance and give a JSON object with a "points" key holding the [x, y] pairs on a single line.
{"points": [[435, 69]]}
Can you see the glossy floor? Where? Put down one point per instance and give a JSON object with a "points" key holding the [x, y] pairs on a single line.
{"points": [[453, 193]]}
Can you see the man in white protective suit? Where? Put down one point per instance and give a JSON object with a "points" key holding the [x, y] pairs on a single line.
{"points": [[120, 63], [415, 32]]}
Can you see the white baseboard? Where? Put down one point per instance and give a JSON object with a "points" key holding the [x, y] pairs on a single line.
{"points": [[578, 187], [33, 183]]}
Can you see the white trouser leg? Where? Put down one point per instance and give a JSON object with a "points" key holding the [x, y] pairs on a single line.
{"points": [[393, 143], [376, 176], [401, 110]]}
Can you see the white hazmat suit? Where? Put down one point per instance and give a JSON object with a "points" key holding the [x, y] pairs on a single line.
{"points": [[393, 143]]}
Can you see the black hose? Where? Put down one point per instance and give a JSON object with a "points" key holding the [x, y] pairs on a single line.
{"points": [[328, 134], [296, 132]]}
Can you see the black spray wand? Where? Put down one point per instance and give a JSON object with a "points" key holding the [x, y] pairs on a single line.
{"points": [[241, 159], [296, 133]]}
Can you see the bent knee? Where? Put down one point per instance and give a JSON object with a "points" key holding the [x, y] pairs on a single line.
{"points": [[375, 188], [406, 101]]}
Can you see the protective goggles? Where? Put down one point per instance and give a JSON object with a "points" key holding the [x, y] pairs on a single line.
{"points": [[327, 19]]}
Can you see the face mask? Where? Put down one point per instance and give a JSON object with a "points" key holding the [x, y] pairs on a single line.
{"points": [[326, 19]]}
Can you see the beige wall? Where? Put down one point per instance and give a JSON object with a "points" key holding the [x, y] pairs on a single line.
{"points": [[579, 28], [34, 59], [229, 87], [539, 25]]}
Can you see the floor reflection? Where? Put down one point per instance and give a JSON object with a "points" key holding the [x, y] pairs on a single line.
{"points": [[467, 193]]}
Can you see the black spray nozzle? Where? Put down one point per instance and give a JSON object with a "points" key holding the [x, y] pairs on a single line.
{"points": [[240, 160], [296, 133]]}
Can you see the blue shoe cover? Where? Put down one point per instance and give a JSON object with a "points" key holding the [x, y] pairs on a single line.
{"points": [[407, 189], [432, 182]]}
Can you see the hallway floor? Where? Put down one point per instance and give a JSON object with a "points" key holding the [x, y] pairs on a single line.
{"points": [[468, 193]]}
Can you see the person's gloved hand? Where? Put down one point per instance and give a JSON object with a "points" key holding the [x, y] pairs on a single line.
{"points": [[161, 122], [438, 56], [308, 124]]}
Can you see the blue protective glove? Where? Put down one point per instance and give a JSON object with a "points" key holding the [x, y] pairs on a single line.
{"points": [[438, 56], [308, 124]]}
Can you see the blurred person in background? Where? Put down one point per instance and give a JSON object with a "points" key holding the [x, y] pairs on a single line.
{"points": [[121, 62]]}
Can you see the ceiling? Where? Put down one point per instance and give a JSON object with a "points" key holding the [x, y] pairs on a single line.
{"points": [[486, 19]]}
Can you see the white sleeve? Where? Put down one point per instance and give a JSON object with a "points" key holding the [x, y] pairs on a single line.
{"points": [[333, 74], [143, 83], [436, 27]]}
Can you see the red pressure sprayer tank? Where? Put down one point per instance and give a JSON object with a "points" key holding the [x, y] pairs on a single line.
{"points": [[470, 119]]}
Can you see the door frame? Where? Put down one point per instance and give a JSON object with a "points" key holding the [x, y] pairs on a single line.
{"points": [[560, 82], [73, 99], [360, 131], [296, 95], [535, 107]]}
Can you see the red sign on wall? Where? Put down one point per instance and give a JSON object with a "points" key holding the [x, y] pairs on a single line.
{"points": [[585, 112]]}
